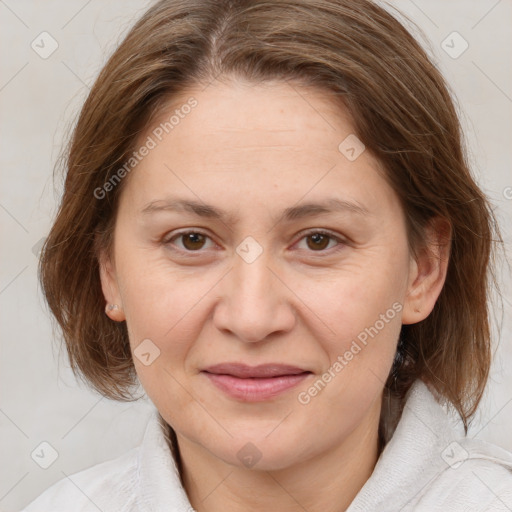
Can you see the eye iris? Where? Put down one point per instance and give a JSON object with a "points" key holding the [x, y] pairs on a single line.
{"points": [[193, 239], [318, 237]]}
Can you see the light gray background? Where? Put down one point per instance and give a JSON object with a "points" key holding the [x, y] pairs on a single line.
{"points": [[40, 399]]}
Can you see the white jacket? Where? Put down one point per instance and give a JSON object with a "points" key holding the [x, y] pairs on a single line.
{"points": [[426, 466]]}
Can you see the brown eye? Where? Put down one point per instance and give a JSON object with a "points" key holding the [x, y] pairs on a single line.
{"points": [[319, 241], [193, 241], [188, 241], [322, 242]]}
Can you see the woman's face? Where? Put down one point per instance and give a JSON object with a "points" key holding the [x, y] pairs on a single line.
{"points": [[296, 255]]}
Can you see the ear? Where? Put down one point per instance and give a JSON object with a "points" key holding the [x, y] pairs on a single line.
{"points": [[427, 273], [109, 286]]}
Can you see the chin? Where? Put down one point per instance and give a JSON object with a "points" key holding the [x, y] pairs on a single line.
{"points": [[260, 453]]}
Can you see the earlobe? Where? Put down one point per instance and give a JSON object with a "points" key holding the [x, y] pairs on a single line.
{"points": [[113, 307], [428, 272]]}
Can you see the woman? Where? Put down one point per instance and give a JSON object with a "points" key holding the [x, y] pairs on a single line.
{"points": [[269, 221]]}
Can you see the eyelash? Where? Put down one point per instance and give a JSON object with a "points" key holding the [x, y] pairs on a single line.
{"points": [[341, 242]]}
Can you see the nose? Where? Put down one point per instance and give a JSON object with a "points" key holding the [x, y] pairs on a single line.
{"points": [[255, 303]]}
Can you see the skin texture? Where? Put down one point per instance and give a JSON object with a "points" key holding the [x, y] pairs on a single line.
{"points": [[254, 150]]}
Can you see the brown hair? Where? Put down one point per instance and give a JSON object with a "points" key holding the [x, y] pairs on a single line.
{"points": [[402, 112]]}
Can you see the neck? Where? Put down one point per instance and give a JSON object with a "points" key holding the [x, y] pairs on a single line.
{"points": [[326, 482]]}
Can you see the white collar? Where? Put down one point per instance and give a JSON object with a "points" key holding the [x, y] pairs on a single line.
{"points": [[412, 458]]}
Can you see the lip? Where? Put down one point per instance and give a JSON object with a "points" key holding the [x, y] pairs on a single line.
{"points": [[255, 383], [244, 371]]}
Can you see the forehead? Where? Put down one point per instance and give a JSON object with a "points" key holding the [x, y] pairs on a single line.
{"points": [[277, 113], [270, 142]]}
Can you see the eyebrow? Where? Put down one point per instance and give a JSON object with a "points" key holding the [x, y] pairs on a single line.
{"points": [[201, 209]]}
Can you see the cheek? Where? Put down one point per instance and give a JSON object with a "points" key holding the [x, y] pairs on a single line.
{"points": [[362, 310], [364, 325], [355, 297], [154, 296], [366, 322], [167, 306], [167, 309]]}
